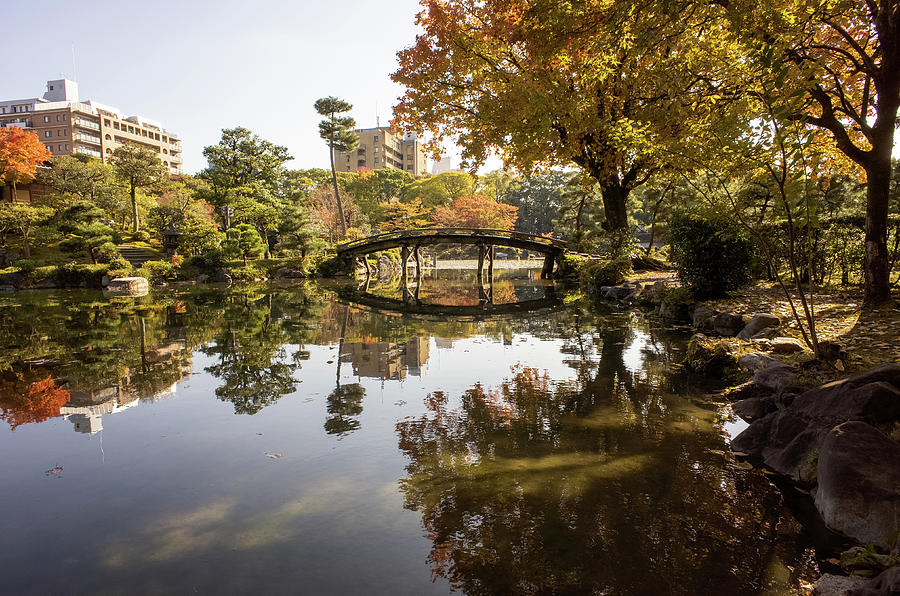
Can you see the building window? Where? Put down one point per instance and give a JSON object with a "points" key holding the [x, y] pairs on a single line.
{"points": [[46, 118], [131, 129], [376, 149], [106, 122], [59, 147], [48, 133], [409, 167], [108, 138], [67, 147], [376, 138], [165, 139], [108, 151], [116, 125], [165, 163], [58, 116], [166, 151], [376, 160]]}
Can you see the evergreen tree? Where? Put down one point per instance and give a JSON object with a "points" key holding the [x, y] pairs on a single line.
{"points": [[337, 131], [243, 241]]}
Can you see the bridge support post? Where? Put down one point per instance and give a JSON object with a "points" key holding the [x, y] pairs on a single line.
{"points": [[490, 255], [404, 261], [417, 257], [547, 270], [481, 253]]}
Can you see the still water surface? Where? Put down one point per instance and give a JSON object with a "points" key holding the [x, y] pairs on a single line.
{"points": [[278, 439]]}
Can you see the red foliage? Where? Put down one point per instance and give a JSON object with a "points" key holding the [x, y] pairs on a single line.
{"points": [[477, 211], [21, 152], [22, 402]]}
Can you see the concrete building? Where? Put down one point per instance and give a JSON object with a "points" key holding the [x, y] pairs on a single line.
{"points": [[67, 125], [380, 148]]}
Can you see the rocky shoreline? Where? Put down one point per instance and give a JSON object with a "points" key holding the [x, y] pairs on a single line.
{"points": [[837, 442]]}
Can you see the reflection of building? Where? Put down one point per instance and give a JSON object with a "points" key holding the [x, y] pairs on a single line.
{"points": [[388, 360], [85, 409]]}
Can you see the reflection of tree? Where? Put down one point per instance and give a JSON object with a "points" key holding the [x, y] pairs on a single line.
{"points": [[605, 486], [23, 401], [252, 360], [344, 403]]}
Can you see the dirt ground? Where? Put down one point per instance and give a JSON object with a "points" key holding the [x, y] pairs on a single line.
{"points": [[872, 337]]}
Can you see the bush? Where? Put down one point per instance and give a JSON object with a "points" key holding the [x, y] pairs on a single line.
{"points": [[156, 271], [25, 265], [208, 262], [333, 266], [712, 255], [76, 275], [594, 274], [140, 236], [119, 267]]}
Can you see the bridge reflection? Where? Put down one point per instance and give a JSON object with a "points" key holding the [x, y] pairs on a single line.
{"points": [[409, 303]]}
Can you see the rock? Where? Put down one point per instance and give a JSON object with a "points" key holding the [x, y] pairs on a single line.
{"points": [[7, 289], [758, 323], [754, 408], [755, 361], [46, 284], [129, 286], [858, 493], [767, 333], [222, 276], [15, 279], [830, 351], [888, 582], [776, 377], [787, 345], [709, 357], [202, 278], [287, 273], [104, 281], [700, 316], [727, 324], [837, 585]]}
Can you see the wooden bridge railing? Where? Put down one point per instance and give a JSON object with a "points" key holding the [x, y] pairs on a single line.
{"points": [[486, 234]]}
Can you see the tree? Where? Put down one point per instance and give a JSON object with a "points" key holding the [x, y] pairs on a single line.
{"points": [[337, 131], [137, 167], [243, 241], [22, 219], [399, 215], [83, 178], [374, 188], [836, 65], [84, 231], [543, 82], [21, 152], [539, 200], [476, 211], [22, 401], [297, 232], [440, 190], [239, 164]]}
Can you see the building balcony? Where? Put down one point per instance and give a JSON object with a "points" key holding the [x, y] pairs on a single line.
{"points": [[79, 136], [87, 124]]}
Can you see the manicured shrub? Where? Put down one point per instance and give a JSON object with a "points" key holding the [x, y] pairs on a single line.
{"points": [[25, 265], [156, 271], [140, 236], [594, 274], [712, 254], [76, 275]]}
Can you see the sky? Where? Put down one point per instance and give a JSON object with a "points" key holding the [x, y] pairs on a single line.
{"points": [[198, 66]]}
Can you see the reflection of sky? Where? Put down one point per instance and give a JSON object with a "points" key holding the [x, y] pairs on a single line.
{"points": [[185, 480]]}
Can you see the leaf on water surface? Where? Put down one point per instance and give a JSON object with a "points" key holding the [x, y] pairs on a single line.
{"points": [[53, 471], [273, 455]]}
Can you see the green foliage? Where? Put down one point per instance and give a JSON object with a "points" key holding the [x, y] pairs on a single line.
{"points": [[25, 265], [596, 273], [208, 262], [119, 267], [141, 236], [156, 271], [440, 190], [243, 241], [199, 237], [84, 233], [297, 233], [712, 255], [76, 275]]}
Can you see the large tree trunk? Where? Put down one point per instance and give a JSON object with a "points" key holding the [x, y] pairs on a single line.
{"points": [[615, 198], [876, 264], [337, 195], [26, 248]]}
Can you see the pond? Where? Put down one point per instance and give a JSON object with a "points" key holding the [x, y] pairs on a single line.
{"points": [[288, 439]]}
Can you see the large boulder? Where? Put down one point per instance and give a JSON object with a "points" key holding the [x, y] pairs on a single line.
{"points": [[858, 490], [786, 345], [755, 361], [887, 583], [767, 333], [838, 585], [727, 324], [776, 377], [709, 356], [758, 323], [700, 317]]}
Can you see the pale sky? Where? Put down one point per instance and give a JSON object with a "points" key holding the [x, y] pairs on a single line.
{"points": [[198, 66]]}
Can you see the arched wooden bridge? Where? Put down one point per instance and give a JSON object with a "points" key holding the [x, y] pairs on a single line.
{"points": [[409, 242]]}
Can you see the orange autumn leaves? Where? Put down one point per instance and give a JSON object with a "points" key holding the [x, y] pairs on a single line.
{"points": [[21, 152], [22, 401]]}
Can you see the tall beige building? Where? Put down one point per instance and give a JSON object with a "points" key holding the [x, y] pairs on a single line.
{"points": [[66, 125], [380, 148]]}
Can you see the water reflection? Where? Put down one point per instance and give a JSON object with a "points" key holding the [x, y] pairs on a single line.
{"points": [[543, 451]]}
